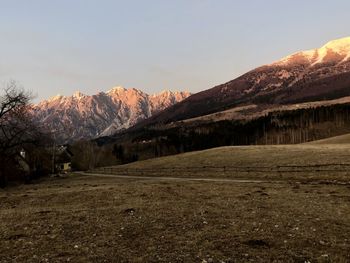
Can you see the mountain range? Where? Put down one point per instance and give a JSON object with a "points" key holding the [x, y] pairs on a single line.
{"points": [[85, 117], [313, 75], [319, 74]]}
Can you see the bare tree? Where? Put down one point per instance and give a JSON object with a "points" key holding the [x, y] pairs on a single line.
{"points": [[16, 126], [12, 98]]}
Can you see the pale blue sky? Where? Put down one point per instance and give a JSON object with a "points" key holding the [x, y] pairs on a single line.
{"points": [[60, 46]]}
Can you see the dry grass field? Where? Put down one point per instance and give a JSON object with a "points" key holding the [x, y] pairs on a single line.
{"points": [[284, 162], [342, 139], [296, 208]]}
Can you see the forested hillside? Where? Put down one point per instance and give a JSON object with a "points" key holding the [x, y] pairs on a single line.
{"points": [[279, 127]]}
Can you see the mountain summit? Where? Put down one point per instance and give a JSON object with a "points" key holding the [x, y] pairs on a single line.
{"points": [[83, 117], [334, 51]]}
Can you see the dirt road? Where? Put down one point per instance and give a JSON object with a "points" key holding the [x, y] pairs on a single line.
{"points": [[170, 178]]}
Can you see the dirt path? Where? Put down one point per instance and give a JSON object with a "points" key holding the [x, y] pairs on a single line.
{"points": [[182, 179]]}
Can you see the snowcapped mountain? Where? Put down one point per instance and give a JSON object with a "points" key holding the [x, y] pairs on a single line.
{"points": [[308, 75], [313, 75], [82, 117], [336, 51]]}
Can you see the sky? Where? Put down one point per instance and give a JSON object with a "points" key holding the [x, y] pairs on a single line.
{"points": [[61, 46]]}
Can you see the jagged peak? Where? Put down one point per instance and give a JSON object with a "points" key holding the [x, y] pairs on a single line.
{"points": [[167, 92], [163, 92], [119, 90], [78, 95]]}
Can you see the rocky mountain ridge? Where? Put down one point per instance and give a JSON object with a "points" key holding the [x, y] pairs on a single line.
{"points": [[82, 116]]}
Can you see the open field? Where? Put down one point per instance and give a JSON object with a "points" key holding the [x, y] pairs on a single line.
{"points": [[290, 216], [283, 162], [342, 139]]}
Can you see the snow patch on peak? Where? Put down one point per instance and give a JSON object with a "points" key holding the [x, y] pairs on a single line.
{"points": [[117, 89], [339, 47]]}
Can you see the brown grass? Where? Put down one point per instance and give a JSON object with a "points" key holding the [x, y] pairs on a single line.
{"points": [[342, 139], [284, 162], [85, 218]]}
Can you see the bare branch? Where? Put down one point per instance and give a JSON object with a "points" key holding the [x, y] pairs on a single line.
{"points": [[13, 98]]}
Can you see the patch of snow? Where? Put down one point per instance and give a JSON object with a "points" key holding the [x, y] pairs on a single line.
{"points": [[315, 56], [116, 89]]}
